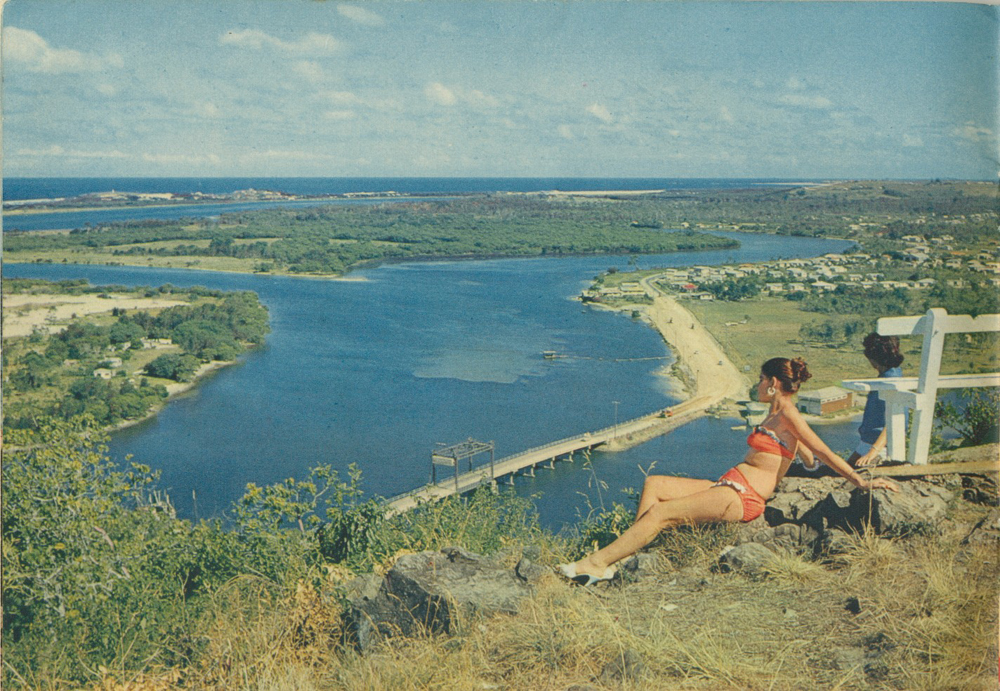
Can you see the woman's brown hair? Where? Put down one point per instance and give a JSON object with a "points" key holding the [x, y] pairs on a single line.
{"points": [[883, 350], [791, 373]]}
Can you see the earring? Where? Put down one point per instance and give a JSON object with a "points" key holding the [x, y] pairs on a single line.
{"points": [[770, 391]]}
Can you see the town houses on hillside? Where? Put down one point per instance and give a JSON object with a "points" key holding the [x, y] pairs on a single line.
{"points": [[823, 273]]}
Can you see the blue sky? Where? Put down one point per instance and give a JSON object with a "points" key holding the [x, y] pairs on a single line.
{"points": [[508, 88]]}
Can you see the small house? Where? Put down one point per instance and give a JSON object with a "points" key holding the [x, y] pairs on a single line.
{"points": [[102, 373], [825, 401]]}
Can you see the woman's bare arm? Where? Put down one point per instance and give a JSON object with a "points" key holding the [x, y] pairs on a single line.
{"points": [[807, 437]]}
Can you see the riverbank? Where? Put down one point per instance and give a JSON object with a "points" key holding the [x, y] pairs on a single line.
{"points": [[174, 390], [709, 377]]}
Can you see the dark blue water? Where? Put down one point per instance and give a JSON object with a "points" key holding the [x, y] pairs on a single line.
{"points": [[378, 372], [49, 188], [53, 188]]}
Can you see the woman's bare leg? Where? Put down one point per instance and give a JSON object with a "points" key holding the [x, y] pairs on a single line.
{"points": [[659, 488], [711, 505]]}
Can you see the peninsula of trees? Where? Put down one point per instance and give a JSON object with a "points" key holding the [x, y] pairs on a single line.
{"points": [[116, 366], [329, 240]]}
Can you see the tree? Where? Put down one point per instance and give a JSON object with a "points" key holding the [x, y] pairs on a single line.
{"points": [[126, 331], [173, 366]]}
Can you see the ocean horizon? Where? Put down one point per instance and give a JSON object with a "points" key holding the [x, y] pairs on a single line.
{"points": [[23, 188]]}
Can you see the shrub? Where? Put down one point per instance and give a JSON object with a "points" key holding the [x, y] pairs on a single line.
{"points": [[976, 418]]}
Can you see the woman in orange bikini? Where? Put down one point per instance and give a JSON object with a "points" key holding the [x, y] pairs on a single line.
{"points": [[739, 495]]}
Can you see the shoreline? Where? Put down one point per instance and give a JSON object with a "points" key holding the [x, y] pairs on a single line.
{"points": [[713, 376], [173, 391]]}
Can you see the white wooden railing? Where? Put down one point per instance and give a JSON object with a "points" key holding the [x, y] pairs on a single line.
{"points": [[920, 393]]}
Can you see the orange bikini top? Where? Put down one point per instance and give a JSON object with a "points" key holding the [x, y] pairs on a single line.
{"points": [[763, 439]]}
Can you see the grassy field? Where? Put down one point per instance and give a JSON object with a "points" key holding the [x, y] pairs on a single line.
{"points": [[754, 330], [77, 256]]}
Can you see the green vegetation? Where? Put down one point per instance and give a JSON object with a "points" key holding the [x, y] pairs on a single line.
{"points": [[109, 368], [105, 588], [98, 572], [332, 239]]}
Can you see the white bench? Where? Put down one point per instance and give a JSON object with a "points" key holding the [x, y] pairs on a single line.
{"points": [[920, 393]]}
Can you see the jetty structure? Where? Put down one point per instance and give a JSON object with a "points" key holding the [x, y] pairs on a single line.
{"points": [[525, 462]]}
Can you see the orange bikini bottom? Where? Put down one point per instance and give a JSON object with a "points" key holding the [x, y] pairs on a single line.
{"points": [[753, 503]]}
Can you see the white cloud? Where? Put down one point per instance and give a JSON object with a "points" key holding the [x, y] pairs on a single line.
{"points": [[107, 89], [360, 15], [600, 112], [341, 97], [339, 115], [450, 96], [478, 98], [59, 152], [912, 140], [285, 155], [973, 132], [184, 159], [440, 94], [565, 132], [309, 70], [794, 83], [725, 115], [30, 49], [311, 44], [801, 101], [207, 110]]}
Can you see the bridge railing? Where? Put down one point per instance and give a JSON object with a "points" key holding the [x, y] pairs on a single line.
{"points": [[534, 449]]}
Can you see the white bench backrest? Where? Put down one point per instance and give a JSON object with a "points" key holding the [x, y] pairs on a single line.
{"points": [[933, 326]]}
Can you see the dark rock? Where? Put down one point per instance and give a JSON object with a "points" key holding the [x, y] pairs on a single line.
{"points": [[787, 537], [532, 552], [853, 605], [836, 541], [645, 565], [829, 503], [985, 531], [918, 506], [434, 591], [627, 666], [797, 497], [980, 489], [750, 558], [529, 572]]}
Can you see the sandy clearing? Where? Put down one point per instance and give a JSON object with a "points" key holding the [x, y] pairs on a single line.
{"points": [[23, 313]]}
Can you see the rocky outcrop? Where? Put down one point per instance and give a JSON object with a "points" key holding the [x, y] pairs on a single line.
{"points": [[434, 591], [750, 558], [811, 515]]}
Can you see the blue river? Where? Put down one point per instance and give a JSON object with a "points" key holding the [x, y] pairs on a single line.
{"points": [[379, 371]]}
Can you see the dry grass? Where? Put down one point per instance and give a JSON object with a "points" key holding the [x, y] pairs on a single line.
{"points": [[917, 614]]}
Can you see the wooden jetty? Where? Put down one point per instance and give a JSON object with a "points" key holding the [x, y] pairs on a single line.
{"points": [[527, 461]]}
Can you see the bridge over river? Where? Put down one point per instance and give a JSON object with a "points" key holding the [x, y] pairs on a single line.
{"points": [[548, 454]]}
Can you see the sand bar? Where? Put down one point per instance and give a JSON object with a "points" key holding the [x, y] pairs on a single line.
{"points": [[715, 378]]}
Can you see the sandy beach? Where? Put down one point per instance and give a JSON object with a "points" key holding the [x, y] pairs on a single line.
{"points": [[712, 377], [716, 377]]}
